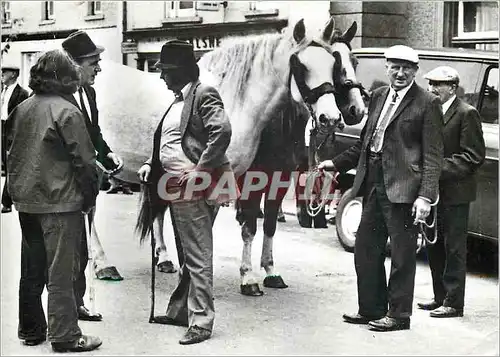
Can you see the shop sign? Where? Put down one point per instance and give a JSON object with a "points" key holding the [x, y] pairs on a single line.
{"points": [[204, 43]]}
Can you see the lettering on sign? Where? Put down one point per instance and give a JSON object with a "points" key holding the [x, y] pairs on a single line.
{"points": [[204, 43]]}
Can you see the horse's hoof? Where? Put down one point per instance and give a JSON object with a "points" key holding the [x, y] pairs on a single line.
{"points": [[166, 267], [274, 281], [251, 290], [108, 273]]}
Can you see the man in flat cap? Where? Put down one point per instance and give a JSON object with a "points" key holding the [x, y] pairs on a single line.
{"points": [[398, 158], [12, 95], [464, 152], [191, 138], [87, 55]]}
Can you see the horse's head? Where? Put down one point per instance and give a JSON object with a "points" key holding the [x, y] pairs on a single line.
{"points": [[322, 75]]}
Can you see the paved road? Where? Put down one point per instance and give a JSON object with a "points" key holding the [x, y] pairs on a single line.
{"points": [[304, 319]]}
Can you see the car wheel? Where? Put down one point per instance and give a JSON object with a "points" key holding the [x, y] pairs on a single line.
{"points": [[305, 220], [347, 219]]}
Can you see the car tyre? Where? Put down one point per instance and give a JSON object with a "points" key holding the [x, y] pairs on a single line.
{"points": [[347, 219]]}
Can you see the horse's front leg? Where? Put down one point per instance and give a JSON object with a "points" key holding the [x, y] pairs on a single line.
{"points": [[272, 279], [103, 269], [248, 210], [164, 263]]}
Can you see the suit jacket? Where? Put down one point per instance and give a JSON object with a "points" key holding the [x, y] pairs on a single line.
{"points": [[205, 132], [412, 151], [464, 152], [19, 94], [93, 128]]}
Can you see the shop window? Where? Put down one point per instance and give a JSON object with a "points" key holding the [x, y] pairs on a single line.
{"points": [[47, 10], [179, 9], [6, 14], [489, 100]]}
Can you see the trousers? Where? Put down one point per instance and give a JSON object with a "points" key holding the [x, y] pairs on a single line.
{"points": [[49, 257]]}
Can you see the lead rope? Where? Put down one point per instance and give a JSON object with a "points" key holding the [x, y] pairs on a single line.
{"points": [[423, 226]]}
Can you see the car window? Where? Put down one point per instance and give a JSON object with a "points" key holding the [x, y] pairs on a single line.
{"points": [[489, 105], [371, 73]]}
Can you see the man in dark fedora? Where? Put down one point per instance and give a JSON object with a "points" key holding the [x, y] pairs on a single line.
{"points": [[12, 95], [192, 137], [87, 55]]}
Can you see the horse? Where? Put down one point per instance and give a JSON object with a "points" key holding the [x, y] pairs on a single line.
{"points": [[277, 80]]}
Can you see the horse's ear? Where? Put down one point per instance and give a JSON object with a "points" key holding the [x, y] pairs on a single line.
{"points": [[299, 31], [328, 31], [349, 34]]}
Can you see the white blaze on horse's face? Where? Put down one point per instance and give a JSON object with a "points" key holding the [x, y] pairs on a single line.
{"points": [[356, 103], [319, 64]]}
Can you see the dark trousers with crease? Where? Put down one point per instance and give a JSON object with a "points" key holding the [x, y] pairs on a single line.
{"points": [[381, 219], [448, 257], [192, 300], [49, 257]]}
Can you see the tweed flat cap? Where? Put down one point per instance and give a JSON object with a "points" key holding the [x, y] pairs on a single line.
{"points": [[443, 74], [403, 53]]}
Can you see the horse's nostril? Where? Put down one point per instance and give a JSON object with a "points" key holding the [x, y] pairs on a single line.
{"points": [[352, 110], [323, 119]]}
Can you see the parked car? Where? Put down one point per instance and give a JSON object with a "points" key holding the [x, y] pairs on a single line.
{"points": [[479, 87]]}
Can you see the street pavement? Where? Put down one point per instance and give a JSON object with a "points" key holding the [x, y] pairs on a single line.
{"points": [[305, 319]]}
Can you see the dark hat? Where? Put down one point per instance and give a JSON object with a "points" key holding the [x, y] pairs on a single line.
{"points": [[176, 54], [79, 45]]}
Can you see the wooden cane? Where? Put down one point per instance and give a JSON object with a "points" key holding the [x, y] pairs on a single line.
{"points": [[153, 253], [90, 265]]}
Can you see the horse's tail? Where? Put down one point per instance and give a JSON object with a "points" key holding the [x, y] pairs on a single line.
{"points": [[146, 213]]}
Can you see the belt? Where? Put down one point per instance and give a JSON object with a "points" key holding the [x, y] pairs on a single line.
{"points": [[374, 155]]}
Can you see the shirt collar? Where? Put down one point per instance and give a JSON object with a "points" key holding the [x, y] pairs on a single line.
{"points": [[401, 92], [446, 105], [186, 89]]}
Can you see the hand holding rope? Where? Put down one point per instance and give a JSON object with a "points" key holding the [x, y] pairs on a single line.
{"points": [[423, 226]]}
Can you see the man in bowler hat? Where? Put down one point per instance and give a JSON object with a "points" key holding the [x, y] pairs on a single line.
{"points": [[192, 136], [87, 55], [464, 152], [398, 158], [12, 95]]}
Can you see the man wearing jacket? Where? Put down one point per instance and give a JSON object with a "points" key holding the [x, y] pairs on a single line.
{"points": [[464, 152], [12, 95], [86, 54], [191, 138], [398, 158]]}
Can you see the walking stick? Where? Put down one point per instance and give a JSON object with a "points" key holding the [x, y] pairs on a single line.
{"points": [[153, 253], [88, 228]]}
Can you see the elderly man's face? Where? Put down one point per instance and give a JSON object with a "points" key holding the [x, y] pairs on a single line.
{"points": [[400, 73], [174, 78], [89, 69], [444, 90], [9, 76]]}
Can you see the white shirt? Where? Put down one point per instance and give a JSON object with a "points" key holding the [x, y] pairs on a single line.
{"points": [[76, 95], [6, 94], [401, 94], [172, 157], [446, 105]]}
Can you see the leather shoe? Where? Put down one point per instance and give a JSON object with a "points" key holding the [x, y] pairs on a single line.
{"points": [[6, 209], [83, 344], [432, 305], [85, 315], [165, 320], [359, 319], [195, 334], [447, 311], [35, 341], [387, 323]]}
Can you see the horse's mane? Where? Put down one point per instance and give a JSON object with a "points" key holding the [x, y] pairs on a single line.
{"points": [[250, 67]]}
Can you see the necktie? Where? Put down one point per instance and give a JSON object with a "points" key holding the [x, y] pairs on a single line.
{"points": [[378, 135], [179, 97], [82, 103]]}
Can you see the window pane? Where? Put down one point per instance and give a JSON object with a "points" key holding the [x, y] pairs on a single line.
{"points": [[97, 6], [186, 5], [489, 109], [480, 16]]}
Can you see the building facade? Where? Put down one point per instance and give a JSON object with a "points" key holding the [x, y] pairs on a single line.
{"points": [[133, 31]]}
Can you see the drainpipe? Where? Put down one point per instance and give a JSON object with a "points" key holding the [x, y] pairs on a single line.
{"points": [[124, 29]]}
